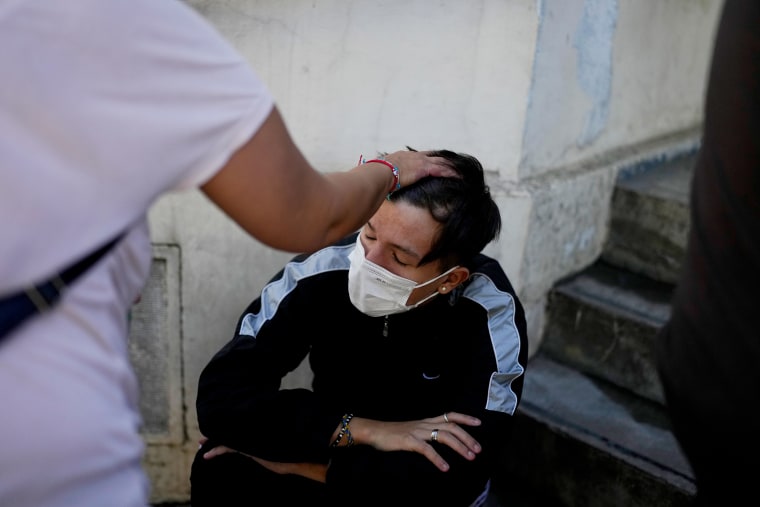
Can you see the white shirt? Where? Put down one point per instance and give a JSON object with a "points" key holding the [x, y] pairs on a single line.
{"points": [[104, 106]]}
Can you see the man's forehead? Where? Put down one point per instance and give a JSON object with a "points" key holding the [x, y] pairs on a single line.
{"points": [[404, 227]]}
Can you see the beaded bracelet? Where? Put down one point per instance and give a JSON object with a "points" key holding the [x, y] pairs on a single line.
{"points": [[344, 430], [396, 181]]}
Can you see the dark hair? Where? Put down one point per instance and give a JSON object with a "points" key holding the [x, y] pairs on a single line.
{"points": [[463, 206]]}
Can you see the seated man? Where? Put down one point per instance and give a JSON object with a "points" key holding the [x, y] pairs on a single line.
{"points": [[418, 348]]}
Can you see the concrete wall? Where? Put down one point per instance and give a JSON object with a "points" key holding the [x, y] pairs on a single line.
{"points": [[553, 96]]}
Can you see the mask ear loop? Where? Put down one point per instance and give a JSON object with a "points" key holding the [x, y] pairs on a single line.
{"points": [[440, 290]]}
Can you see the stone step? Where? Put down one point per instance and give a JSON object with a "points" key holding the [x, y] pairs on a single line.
{"points": [[650, 217], [604, 321], [583, 442]]}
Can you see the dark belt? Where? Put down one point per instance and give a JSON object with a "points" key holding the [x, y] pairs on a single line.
{"points": [[16, 308]]}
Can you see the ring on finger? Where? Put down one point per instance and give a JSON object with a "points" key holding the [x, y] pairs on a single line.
{"points": [[445, 417], [434, 435]]}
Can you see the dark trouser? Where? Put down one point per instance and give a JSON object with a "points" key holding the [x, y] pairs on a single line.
{"points": [[235, 480]]}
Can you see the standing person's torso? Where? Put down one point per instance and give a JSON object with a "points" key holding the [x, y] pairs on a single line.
{"points": [[69, 393], [104, 106]]}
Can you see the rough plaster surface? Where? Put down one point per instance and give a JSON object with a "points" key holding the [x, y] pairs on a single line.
{"points": [[614, 73], [667, 48], [593, 43], [514, 206], [569, 97], [361, 76], [568, 224]]}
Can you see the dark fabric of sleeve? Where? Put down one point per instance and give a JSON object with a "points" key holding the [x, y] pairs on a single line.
{"points": [[240, 403]]}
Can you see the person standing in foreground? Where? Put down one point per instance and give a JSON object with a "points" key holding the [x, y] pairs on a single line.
{"points": [[418, 348], [709, 352], [105, 105]]}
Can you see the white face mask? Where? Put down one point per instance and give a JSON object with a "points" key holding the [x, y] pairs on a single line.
{"points": [[376, 291]]}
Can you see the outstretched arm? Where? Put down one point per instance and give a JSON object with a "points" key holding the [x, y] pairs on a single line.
{"points": [[272, 191]]}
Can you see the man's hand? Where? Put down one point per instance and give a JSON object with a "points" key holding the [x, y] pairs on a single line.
{"points": [[417, 435]]}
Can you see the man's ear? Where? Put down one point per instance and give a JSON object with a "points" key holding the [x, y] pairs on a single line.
{"points": [[456, 277]]}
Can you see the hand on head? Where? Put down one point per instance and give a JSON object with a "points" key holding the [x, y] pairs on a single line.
{"points": [[415, 165]]}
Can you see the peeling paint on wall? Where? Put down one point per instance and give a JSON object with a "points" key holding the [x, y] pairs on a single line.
{"points": [[571, 107], [593, 42]]}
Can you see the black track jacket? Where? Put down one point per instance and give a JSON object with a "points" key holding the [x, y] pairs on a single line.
{"points": [[465, 352]]}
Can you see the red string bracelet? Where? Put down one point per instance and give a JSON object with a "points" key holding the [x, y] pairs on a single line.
{"points": [[396, 182]]}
